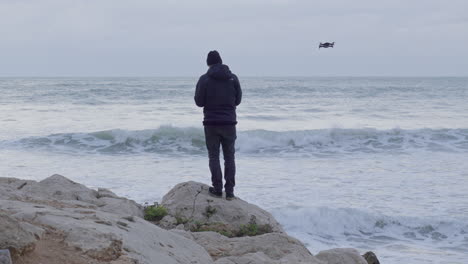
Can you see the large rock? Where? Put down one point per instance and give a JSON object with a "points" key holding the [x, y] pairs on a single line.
{"points": [[341, 256], [58, 191], [82, 225], [191, 201], [272, 248], [16, 236], [99, 227], [371, 258], [57, 187], [10, 188]]}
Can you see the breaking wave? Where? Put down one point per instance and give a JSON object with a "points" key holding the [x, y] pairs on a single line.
{"points": [[176, 140], [324, 226]]}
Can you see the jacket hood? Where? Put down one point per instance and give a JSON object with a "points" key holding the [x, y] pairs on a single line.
{"points": [[219, 72]]}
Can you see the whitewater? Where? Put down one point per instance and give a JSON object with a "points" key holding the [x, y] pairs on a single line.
{"points": [[371, 163]]}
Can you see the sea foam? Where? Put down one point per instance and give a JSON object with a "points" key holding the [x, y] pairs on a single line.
{"points": [[178, 140]]}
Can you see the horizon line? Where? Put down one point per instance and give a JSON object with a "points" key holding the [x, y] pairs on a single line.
{"points": [[242, 76]]}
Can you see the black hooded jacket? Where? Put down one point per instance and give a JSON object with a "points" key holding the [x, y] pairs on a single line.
{"points": [[218, 92]]}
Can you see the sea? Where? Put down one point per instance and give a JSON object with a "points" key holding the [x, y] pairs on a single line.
{"points": [[373, 163]]}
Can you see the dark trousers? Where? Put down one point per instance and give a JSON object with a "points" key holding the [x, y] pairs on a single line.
{"points": [[215, 137]]}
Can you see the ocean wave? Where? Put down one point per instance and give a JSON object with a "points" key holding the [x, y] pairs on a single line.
{"points": [[168, 139], [324, 225]]}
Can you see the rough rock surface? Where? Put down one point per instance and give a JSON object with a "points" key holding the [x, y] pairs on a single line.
{"points": [[68, 192], [18, 237], [78, 220], [371, 258], [341, 256], [191, 201], [168, 222], [82, 225], [272, 248]]}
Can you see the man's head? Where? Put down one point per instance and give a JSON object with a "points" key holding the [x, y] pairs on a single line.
{"points": [[213, 58]]}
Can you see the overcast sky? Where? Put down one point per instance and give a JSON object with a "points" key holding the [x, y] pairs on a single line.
{"points": [[254, 37]]}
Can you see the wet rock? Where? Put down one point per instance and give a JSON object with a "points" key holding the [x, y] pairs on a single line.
{"points": [[371, 258]]}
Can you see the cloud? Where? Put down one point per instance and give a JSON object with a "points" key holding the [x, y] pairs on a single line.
{"points": [[116, 37]]}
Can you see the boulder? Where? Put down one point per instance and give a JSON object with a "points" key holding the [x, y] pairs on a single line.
{"points": [[10, 188], [341, 256], [272, 248], [58, 191], [83, 225], [103, 192], [99, 228], [18, 237], [371, 258], [191, 201], [168, 222], [57, 187], [121, 206]]}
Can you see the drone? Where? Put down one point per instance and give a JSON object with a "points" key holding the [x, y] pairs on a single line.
{"points": [[326, 45]]}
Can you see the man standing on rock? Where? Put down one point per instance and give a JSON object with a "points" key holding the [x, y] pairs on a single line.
{"points": [[219, 93]]}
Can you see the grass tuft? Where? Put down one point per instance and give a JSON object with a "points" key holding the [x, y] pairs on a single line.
{"points": [[155, 212]]}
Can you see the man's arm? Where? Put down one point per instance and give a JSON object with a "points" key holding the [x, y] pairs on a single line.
{"points": [[200, 91], [238, 90]]}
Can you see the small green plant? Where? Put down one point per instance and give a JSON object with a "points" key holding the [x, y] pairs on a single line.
{"points": [[226, 233], [253, 229], [181, 220], [209, 211], [155, 212]]}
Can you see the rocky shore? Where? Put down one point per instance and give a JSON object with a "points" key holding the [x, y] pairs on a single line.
{"points": [[57, 220]]}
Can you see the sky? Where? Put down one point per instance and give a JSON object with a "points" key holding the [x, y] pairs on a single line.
{"points": [[254, 37]]}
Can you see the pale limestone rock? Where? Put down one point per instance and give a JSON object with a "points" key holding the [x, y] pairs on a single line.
{"points": [[57, 190], [57, 187], [168, 222], [191, 200], [274, 248], [341, 256], [109, 228], [182, 232], [105, 236], [249, 258], [10, 187], [19, 238], [121, 206], [103, 192]]}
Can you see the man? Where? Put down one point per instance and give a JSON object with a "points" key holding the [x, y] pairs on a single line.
{"points": [[219, 93]]}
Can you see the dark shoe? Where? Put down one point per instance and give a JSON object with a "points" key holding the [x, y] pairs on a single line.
{"points": [[230, 196], [214, 193]]}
